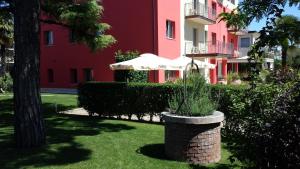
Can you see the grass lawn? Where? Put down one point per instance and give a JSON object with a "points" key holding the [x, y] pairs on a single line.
{"points": [[85, 142]]}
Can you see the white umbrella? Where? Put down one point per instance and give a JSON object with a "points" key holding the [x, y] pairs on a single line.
{"points": [[145, 61], [181, 62]]}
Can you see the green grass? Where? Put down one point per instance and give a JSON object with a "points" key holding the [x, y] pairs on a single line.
{"points": [[85, 142]]}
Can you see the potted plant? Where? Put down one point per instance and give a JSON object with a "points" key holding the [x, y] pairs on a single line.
{"points": [[192, 126]]}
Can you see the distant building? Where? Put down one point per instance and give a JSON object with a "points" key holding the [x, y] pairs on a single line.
{"points": [[245, 41]]}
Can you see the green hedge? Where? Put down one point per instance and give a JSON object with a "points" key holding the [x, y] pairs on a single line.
{"points": [[118, 98], [6, 83], [226, 95]]}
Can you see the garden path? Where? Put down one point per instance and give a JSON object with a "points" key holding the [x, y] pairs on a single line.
{"points": [[83, 112]]}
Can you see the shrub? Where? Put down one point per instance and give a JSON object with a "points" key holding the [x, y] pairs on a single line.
{"points": [[101, 98], [262, 126], [281, 134], [6, 82], [282, 77], [117, 98], [232, 76], [263, 75], [195, 101]]}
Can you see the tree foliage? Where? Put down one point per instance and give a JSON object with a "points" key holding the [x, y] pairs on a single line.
{"points": [[6, 28], [6, 37], [234, 21], [275, 31], [82, 17]]}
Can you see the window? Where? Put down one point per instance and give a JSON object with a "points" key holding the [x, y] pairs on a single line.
{"points": [[195, 37], [71, 36], [88, 74], [171, 75], [170, 29], [50, 76], [245, 42], [73, 76], [214, 9], [213, 38], [48, 37]]}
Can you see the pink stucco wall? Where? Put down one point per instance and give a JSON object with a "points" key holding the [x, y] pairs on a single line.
{"points": [[221, 30], [133, 26], [169, 48]]}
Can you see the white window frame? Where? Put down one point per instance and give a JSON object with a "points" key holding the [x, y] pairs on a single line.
{"points": [[49, 39], [170, 29]]}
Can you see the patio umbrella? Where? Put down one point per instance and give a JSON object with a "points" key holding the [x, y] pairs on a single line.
{"points": [[145, 61], [181, 62]]}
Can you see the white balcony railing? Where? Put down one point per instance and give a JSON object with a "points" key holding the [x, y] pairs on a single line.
{"points": [[209, 47], [198, 9]]}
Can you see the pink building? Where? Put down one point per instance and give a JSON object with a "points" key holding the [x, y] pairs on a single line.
{"points": [[207, 39], [169, 28]]}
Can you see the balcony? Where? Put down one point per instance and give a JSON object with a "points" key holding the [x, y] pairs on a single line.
{"points": [[200, 13], [209, 49], [237, 32]]}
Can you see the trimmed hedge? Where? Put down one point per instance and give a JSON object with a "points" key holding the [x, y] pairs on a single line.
{"points": [[225, 96], [118, 98]]}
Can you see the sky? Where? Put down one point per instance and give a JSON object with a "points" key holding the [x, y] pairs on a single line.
{"points": [[256, 26]]}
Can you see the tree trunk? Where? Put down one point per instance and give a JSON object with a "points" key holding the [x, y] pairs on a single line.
{"points": [[29, 123], [284, 58], [3, 63]]}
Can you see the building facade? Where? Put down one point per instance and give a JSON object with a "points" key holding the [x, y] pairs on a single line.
{"points": [[246, 39], [207, 39], [168, 28]]}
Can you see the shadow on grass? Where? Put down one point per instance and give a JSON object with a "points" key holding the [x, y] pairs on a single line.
{"points": [[157, 151], [154, 151], [61, 130], [216, 166]]}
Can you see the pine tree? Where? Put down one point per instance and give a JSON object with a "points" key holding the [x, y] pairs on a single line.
{"points": [[82, 17]]}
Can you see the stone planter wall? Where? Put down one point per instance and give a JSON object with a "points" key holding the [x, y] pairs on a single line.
{"points": [[187, 140]]}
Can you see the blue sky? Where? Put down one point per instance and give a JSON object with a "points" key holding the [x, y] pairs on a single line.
{"points": [[256, 26]]}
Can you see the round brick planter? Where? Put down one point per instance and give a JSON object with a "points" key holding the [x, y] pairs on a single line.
{"points": [[196, 140]]}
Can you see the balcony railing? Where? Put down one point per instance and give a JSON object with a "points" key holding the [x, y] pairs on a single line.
{"points": [[200, 11], [237, 32], [209, 47]]}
